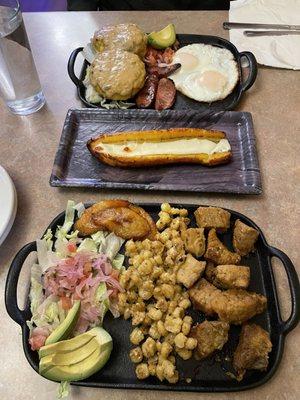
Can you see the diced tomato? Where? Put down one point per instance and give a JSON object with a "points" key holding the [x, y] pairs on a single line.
{"points": [[36, 342], [66, 302], [115, 274], [71, 247], [114, 293], [75, 296], [87, 268]]}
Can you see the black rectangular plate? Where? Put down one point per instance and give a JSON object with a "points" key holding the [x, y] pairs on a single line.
{"points": [[208, 375], [74, 166]]}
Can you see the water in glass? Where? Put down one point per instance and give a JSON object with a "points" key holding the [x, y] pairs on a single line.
{"points": [[19, 83]]}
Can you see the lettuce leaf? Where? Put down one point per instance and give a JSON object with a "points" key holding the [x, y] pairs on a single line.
{"points": [[111, 245]]}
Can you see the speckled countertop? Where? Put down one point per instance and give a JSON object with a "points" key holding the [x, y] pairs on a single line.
{"points": [[28, 146]]}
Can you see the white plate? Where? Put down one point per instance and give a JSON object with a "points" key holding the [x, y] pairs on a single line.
{"points": [[8, 204]]}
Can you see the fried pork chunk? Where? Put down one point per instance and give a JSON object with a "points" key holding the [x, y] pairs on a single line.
{"points": [[253, 350], [212, 217], [119, 216], [211, 336], [244, 238], [194, 241], [229, 276], [217, 252], [236, 306], [210, 271], [202, 295], [190, 271]]}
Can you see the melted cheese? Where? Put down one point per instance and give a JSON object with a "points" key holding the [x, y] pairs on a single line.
{"points": [[174, 147]]}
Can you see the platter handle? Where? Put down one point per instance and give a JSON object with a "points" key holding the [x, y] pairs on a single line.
{"points": [[252, 70], [292, 321], [11, 303], [71, 66]]}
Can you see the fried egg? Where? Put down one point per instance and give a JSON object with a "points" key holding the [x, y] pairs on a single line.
{"points": [[207, 73]]}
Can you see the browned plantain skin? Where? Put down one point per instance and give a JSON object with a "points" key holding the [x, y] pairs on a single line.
{"points": [[161, 159], [119, 216]]}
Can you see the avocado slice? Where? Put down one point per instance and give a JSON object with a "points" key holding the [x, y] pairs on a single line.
{"points": [[164, 38], [66, 346], [82, 362], [64, 330], [69, 358]]}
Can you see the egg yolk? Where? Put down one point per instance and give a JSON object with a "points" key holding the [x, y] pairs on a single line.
{"points": [[214, 81], [187, 61]]}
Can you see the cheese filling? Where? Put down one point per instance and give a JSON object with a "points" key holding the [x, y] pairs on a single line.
{"points": [[173, 147]]}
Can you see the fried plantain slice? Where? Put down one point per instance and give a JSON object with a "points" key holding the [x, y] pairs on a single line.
{"points": [[119, 216]]}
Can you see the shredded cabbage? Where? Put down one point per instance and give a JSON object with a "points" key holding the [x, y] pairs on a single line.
{"points": [[88, 245], [56, 248], [64, 389], [79, 207], [99, 237], [101, 297], [49, 313], [111, 245], [48, 237], [89, 53], [118, 261], [36, 289]]}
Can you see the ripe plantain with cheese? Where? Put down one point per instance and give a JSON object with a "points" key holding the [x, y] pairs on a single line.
{"points": [[158, 147]]}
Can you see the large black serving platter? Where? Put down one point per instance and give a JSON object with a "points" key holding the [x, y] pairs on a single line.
{"points": [[210, 375]]}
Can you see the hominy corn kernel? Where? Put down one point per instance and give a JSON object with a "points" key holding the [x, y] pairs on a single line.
{"points": [[172, 324], [149, 347], [161, 328], [160, 372], [180, 340], [136, 355], [186, 327], [174, 378], [166, 349], [136, 336], [142, 371], [185, 303], [166, 207], [153, 331], [184, 353], [155, 314], [138, 318], [191, 343], [178, 312], [167, 290], [169, 368]]}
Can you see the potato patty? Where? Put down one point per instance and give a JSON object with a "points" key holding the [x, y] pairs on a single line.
{"points": [[127, 37], [117, 74]]}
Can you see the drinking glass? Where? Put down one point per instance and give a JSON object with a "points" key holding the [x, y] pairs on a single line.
{"points": [[19, 82]]}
